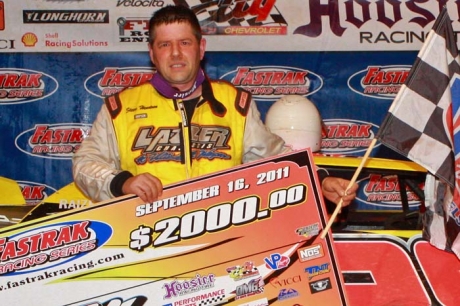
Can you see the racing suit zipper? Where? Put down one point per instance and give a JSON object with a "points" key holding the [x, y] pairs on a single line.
{"points": [[186, 148]]}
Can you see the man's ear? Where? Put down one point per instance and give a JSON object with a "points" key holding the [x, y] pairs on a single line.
{"points": [[149, 46], [202, 48]]}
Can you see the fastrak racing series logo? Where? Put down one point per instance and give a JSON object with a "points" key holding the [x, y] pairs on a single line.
{"points": [[384, 191], [344, 136], [23, 85], [381, 82], [34, 192], [56, 141], [114, 79], [273, 82], [51, 245]]}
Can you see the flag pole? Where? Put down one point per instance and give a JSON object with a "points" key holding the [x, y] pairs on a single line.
{"points": [[352, 181]]}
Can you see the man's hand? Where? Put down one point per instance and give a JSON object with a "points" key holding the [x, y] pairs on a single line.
{"points": [[334, 189], [145, 185]]}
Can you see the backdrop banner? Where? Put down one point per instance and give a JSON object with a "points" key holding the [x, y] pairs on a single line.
{"points": [[59, 59]]}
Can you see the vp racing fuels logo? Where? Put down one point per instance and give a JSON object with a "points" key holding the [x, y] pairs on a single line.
{"points": [[51, 245], [381, 82], [23, 85], [113, 79], [57, 141], [273, 82], [164, 143]]}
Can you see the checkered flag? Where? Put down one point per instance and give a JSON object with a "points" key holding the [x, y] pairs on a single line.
{"points": [[212, 301], [423, 125]]}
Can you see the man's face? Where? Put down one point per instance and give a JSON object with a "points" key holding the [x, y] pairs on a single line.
{"points": [[177, 54]]}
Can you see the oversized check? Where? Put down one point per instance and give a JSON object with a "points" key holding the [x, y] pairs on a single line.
{"points": [[246, 236]]}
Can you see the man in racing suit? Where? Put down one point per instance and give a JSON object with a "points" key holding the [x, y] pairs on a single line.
{"points": [[178, 126]]}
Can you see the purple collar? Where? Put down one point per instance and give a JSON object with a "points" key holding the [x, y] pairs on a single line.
{"points": [[170, 92]]}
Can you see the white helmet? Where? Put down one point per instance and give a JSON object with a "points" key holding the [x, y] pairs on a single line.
{"points": [[297, 120]]}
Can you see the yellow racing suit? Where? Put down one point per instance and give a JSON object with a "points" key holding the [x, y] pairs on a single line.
{"points": [[138, 130]]}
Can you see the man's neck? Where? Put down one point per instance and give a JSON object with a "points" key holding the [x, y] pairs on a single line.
{"points": [[163, 87], [194, 94]]}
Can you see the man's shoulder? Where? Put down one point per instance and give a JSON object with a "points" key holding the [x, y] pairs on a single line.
{"points": [[116, 101], [241, 98], [227, 87], [222, 84]]}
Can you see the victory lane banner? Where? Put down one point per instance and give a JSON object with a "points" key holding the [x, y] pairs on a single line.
{"points": [[246, 236]]}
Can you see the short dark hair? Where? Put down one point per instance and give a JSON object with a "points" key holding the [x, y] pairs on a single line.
{"points": [[174, 14]]}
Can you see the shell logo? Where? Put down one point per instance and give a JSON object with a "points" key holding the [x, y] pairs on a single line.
{"points": [[29, 39]]}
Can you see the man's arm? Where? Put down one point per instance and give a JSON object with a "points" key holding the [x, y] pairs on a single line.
{"points": [[97, 170], [259, 142], [96, 162]]}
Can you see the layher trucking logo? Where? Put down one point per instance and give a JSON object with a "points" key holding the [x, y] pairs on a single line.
{"points": [[114, 79], [344, 136], [24, 85], [381, 82], [273, 82], [51, 245], [57, 141]]}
